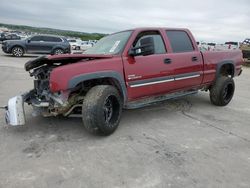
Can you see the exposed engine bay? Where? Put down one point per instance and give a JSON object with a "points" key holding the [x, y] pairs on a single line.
{"points": [[52, 104], [45, 102]]}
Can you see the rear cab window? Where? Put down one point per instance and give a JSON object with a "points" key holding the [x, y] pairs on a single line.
{"points": [[180, 41]]}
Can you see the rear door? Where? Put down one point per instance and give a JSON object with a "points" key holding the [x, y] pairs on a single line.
{"points": [[151, 74], [51, 42], [186, 59]]}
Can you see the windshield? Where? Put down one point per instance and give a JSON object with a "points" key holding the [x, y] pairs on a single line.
{"points": [[111, 44]]}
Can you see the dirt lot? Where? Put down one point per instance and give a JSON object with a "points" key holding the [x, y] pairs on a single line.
{"points": [[179, 143]]}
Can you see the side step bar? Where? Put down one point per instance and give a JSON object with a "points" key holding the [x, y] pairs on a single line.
{"points": [[152, 100]]}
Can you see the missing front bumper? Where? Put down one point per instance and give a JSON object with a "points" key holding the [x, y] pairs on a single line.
{"points": [[14, 114]]}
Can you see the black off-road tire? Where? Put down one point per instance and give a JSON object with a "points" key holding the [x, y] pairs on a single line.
{"points": [[17, 51], [221, 93], [101, 109]]}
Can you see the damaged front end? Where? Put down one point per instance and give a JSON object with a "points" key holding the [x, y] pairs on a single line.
{"points": [[43, 101], [41, 98]]}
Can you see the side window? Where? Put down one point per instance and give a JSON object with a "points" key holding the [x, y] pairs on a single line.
{"points": [[52, 39], [56, 39], [46, 39], [158, 42], [36, 38], [180, 41]]}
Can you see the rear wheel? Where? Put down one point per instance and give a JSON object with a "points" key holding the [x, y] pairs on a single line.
{"points": [[221, 93], [58, 51], [17, 51], [101, 109]]}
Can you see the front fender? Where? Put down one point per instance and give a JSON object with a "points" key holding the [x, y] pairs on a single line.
{"points": [[97, 75], [21, 45]]}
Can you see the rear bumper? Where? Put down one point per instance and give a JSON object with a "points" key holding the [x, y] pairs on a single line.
{"points": [[14, 114], [67, 50]]}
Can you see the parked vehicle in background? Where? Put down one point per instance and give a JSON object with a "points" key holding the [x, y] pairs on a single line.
{"points": [[227, 46], [128, 69], [75, 44], [218, 47], [232, 45], [206, 46], [11, 36], [84, 45], [245, 47], [39, 44]]}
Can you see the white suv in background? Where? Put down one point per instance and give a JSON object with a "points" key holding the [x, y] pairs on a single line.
{"points": [[75, 44], [84, 45]]}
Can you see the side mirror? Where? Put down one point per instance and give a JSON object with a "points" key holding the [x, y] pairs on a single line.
{"points": [[146, 48], [28, 40]]}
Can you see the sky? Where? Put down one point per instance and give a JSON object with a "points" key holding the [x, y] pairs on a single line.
{"points": [[209, 20]]}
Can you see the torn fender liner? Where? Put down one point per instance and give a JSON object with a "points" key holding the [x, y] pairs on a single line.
{"points": [[15, 112]]}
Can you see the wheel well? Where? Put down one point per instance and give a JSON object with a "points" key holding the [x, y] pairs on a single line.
{"points": [[17, 46], [227, 70], [56, 48], [85, 86]]}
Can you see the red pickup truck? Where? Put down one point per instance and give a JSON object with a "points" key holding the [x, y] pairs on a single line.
{"points": [[128, 69]]}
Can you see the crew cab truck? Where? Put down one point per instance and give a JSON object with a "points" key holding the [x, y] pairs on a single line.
{"points": [[126, 70]]}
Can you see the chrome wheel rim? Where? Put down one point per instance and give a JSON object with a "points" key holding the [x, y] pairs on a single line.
{"points": [[58, 51], [17, 52]]}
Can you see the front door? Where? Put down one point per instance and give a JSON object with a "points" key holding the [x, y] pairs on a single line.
{"points": [[151, 74], [34, 44]]}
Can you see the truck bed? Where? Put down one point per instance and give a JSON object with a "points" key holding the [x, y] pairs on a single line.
{"points": [[211, 59]]}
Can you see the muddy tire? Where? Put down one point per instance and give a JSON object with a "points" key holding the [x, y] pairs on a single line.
{"points": [[221, 93], [17, 51], [101, 109]]}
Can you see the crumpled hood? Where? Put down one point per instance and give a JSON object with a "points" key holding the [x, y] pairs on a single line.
{"points": [[60, 60]]}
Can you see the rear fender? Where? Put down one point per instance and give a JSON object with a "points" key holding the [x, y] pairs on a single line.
{"points": [[226, 62], [58, 47]]}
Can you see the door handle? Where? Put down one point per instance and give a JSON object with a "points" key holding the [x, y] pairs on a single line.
{"points": [[194, 58], [167, 61]]}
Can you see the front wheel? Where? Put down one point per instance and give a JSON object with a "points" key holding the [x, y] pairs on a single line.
{"points": [[221, 93], [101, 109], [17, 51]]}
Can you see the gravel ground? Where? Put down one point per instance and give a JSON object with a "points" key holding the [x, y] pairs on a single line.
{"points": [[180, 143]]}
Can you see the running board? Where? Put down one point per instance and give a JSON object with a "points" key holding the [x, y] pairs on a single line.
{"points": [[152, 100]]}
